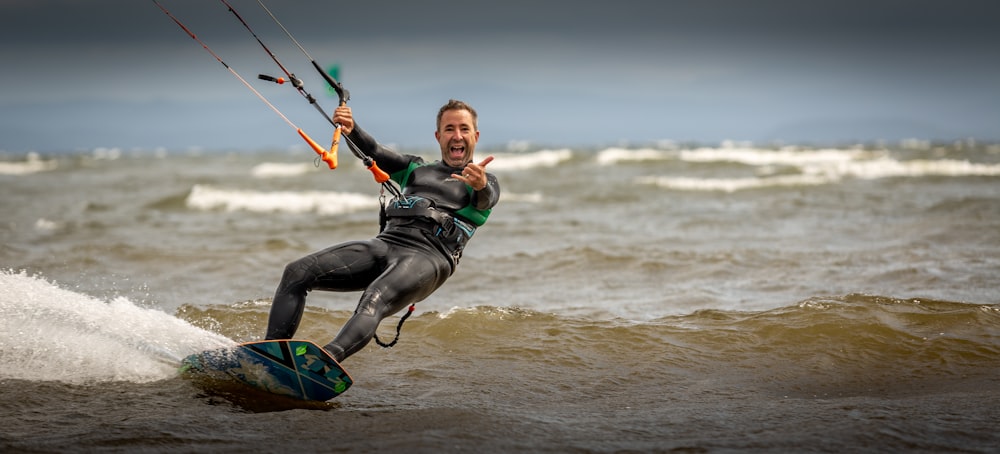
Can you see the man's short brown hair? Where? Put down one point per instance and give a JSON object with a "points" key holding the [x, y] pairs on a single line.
{"points": [[454, 104]]}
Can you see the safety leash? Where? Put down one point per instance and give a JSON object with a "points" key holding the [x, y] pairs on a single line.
{"points": [[399, 327]]}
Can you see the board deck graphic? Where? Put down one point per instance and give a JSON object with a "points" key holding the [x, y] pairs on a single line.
{"points": [[295, 368]]}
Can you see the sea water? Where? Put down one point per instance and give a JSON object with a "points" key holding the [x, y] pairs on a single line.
{"points": [[725, 297]]}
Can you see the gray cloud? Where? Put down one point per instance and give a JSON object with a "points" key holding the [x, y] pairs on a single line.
{"points": [[585, 72]]}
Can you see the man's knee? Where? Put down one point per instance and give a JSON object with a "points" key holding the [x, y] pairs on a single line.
{"points": [[370, 304], [297, 273]]}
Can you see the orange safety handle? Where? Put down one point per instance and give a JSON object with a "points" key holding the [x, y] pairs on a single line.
{"points": [[379, 174], [336, 137], [330, 159], [335, 144], [325, 156]]}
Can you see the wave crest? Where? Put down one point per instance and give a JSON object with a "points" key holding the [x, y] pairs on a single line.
{"points": [[204, 197]]}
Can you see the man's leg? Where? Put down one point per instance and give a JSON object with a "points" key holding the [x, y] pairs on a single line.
{"points": [[409, 278], [346, 267]]}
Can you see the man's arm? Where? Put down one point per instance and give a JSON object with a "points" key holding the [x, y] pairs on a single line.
{"points": [[487, 197], [388, 160]]}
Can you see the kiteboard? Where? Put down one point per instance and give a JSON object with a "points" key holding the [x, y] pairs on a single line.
{"points": [[299, 369]]}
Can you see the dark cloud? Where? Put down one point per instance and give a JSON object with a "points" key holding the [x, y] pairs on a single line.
{"points": [[705, 70]]}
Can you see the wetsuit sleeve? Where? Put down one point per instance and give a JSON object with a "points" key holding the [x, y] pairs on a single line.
{"points": [[365, 142], [387, 159], [487, 197]]}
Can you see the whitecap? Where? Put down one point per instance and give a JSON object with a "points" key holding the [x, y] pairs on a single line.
{"points": [[281, 169], [611, 156], [32, 164], [204, 197], [538, 159]]}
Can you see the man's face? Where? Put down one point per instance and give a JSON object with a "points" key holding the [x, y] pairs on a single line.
{"points": [[457, 136]]}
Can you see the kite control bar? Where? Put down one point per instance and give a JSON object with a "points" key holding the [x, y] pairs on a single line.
{"points": [[330, 156], [327, 156], [343, 95], [312, 144]]}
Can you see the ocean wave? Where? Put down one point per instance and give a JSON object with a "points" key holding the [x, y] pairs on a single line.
{"points": [[844, 345], [204, 197], [734, 184], [533, 197], [612, 156], [785, 156], [851, 344], [538, 159], [810, 168], [886, 167], [32, 163], [281, 169]]}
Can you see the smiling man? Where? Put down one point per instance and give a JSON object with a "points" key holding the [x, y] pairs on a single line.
{"points": [[426, 229]]}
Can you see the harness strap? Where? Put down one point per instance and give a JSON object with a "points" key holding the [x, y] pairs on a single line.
{"points": [[441, 218], [383, 218]]}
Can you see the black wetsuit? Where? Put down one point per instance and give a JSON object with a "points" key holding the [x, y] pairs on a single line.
{"points": [[412, 257]]}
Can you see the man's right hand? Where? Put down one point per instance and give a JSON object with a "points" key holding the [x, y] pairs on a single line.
{"points": [[344, 118]]}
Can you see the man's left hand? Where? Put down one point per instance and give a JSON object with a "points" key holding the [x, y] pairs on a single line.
{"points": [[474, 174]]}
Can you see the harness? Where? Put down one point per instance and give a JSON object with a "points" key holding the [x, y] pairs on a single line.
{"points": [[452, 231]]}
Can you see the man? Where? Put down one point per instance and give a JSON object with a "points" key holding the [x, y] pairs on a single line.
{"points": [[425, 232]]}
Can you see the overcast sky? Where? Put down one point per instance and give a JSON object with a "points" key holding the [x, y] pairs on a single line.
{"points": [[119, 73]]}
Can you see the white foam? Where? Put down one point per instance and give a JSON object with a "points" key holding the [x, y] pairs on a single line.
{"points": [[815, 167], [538, 159], [32, 164], [760, 157], [43, 225], [51, 334], [203, 197], [281, 169], [107, 153], [733, 184], [886, 167], [532, 197], [611, 156]]}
